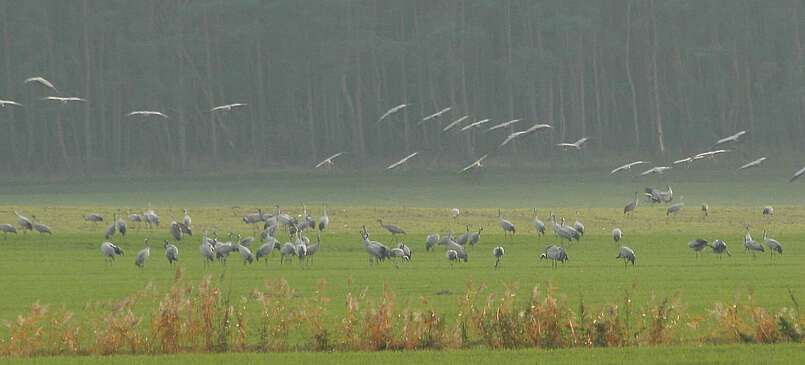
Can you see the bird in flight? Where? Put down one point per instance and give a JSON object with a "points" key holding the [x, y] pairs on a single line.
{"points": [[455, 123], [329, 160], [475, 164], [64, 100], [42, 81], [146, 113], [503, 125], [435, 115], [403, 161], [627, 166], [392, 111], [476, 124], [797, 174], [755, 163], [575, 145], [3, 103], [730, 139], [656, 170], [227, 107]]}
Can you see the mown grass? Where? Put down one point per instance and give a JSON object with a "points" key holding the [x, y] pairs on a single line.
{"points": [[725, 354], [67, 271]]}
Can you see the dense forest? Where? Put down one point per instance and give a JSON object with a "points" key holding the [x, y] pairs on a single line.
{"points": [[643, 78]]}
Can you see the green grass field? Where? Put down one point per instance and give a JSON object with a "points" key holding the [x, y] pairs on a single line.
{"points": [[67, 271]]}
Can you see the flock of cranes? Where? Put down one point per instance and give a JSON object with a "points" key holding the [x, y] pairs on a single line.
{"points": [[47, 85], [578, 145], [299, 246], [459, 123]]}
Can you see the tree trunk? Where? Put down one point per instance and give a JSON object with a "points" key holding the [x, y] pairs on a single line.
{"points": [[655, 79], [629, 72]]}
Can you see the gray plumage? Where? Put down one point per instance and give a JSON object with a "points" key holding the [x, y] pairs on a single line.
{"points": [[566, 232], [110, 251], [41, 228], [772, 244], [554, 253], [506, 225], [393, 229], [245, 254], [151, 218], [171, 252], [324, 220], [674, 208], [253, 218], [406, 251], [768, 211], [24, 222], [122, 227], [627, 254], [223, 249], [498, 253], [286, 251], [176, 231], [206, 250], [376, 250], [705, 209], [264, 250], [578, 226], [617, 234], [632, 205], [135, 218], [188, 221], [698, 245], [301, 251], [475, 237], [539, 225], [431, 241], [750, 244], [143, 255], [93, 217], [797, 175], [464, 237], [110, 230], [452, 256], [6, 229], [720, 247]]}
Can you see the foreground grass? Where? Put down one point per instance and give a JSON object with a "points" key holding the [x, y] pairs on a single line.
{"points": [[727, 354]]}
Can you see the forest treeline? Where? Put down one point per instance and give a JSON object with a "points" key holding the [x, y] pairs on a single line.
{"points": [[643, 78]]}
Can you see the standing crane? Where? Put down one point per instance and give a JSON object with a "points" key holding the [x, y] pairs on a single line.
{"points": [[698, 245], [506, 225], [176, 231], [143, 255], [376, 250], [554, 253], [498, 253], [772, 244], [617, 235], [720, 247], [24, 222], [171, 252], [632, 205], [393, 229], [6, 229], [431, 241], [39, 227], [110, 251], [324, 220], [578, 226], [539, 225], [627, 254]]}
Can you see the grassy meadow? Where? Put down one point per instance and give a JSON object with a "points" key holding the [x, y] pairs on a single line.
{"points": [[66, 270]]}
